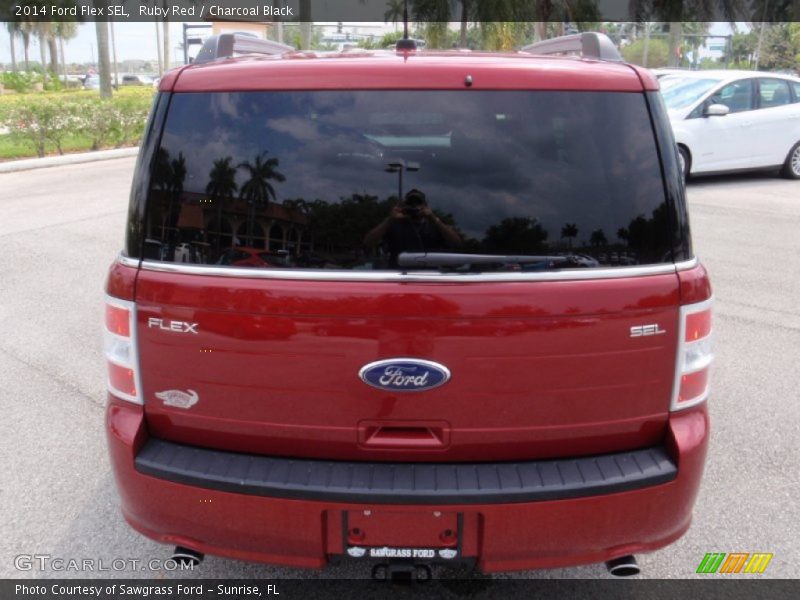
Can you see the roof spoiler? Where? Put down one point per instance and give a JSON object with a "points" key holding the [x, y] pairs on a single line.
{"points": [[226, 45], [586, 45]]}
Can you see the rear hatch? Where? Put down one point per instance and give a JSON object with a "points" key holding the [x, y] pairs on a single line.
{"points": [[533, 262], [539, 369]]}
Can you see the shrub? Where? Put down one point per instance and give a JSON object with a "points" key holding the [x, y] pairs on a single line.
{"points": [[657, 53], [99, 122], [40, 122], [44, 119], [20, 82], [132, 117], [53, 83]]}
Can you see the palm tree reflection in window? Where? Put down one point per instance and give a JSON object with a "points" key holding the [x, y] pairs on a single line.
{"points": [[569, 231], [516, 235], [169, 176], [258, 190], [598, 238], [221, 187]]}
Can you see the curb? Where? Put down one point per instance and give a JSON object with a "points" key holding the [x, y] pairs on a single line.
{"points": [[27, 164]]}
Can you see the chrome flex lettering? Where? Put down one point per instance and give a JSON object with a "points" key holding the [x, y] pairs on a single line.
{"points": [[175, 326]]}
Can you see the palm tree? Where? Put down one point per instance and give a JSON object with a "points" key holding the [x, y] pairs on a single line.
{"points": [[43, 31], [569, 231], [162, 170], [51, 37], [522, 235], [221, 186], [462, 38], [305, 24], [669, 11], [162, 177], [501, 19], [436, 14], [103, 61], [24, 30], [177, 175], [258, 190], [65, 30], [394, 12], [646, 43], [509, 24], [13, 31], [54, 33]]}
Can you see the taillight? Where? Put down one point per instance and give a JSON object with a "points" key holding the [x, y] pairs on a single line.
{"points": [[694, 355], [119, 345]]}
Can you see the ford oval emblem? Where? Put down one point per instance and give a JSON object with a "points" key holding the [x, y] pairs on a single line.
{"points": [[404, 374]]}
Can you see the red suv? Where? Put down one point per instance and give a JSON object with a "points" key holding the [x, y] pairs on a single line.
{"points": [[453, 362]]}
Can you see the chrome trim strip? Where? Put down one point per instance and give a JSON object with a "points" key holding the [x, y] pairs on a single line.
{"points": [[687, 264], [127, 261], [412, 276]]}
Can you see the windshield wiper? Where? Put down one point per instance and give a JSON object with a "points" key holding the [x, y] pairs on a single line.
{"points": [[453, 259]]}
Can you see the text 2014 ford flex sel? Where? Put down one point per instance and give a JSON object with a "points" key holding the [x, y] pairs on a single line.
{"points": [[409, 306]]}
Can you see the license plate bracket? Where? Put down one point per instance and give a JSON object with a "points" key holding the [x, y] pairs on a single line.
{"points": [[391, 534]]}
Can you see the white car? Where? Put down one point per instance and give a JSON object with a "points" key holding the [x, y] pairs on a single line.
{"points": [[668, 71], [136, 80], [735, 120]]}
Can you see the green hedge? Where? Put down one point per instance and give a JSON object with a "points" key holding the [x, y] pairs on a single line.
{"points": [[42, 122]]}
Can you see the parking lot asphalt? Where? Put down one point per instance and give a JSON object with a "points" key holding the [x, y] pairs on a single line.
{"points": [[61, 227]]}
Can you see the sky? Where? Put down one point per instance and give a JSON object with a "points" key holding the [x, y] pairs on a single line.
{"points": [[138, 41], [134, 41]]}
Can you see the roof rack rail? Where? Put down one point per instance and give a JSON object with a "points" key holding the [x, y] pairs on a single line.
{"points": [[586, 44], [226, 45]]}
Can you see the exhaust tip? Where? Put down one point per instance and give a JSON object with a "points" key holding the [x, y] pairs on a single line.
{"points": [[186, 556], [624, 566]]}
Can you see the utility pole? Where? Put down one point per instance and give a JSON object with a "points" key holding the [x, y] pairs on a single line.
{"points": [[158, 49], [166, 43]]}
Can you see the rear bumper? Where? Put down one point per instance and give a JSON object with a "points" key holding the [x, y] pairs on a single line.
{"points": [[399, 483], [174, 495]]}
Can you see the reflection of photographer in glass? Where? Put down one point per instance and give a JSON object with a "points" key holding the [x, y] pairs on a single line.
{"points": [[412, 227]]}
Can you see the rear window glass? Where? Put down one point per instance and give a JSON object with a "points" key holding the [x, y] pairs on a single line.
{"points": [[455, 181], [682, 92]]}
